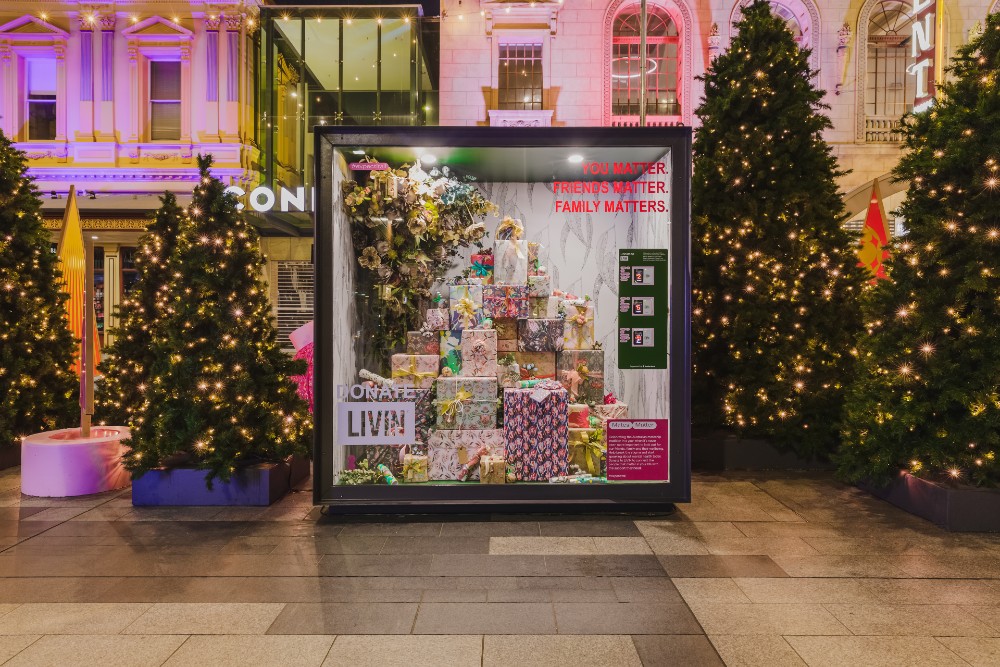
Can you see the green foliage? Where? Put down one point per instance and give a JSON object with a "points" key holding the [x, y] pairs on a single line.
{"points": [[927, 398], [38, 388], [127, 361], [219, 394], [774, 274]]}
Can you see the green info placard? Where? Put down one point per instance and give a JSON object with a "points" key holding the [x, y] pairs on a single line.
{"points": [[642, 308]]}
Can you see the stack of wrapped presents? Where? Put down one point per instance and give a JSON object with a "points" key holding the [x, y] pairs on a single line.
{"points": [[508, 377]]}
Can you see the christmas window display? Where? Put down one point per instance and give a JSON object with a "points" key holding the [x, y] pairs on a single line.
{"points": [[488, 314]]}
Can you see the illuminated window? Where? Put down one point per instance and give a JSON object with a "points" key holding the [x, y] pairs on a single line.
{"points": [[519, 76], [40, 97], [164, 100], [889, 89], [657, 71]]}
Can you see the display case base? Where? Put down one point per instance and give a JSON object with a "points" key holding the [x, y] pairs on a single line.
{"points": [[10, 457], [258, 485], [957, 509], [724, 451], [643, 509]]}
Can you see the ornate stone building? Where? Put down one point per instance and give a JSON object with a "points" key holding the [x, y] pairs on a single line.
{"points": [[575, 62]]}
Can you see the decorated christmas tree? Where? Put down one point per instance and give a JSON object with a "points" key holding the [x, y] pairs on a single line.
{"points": [[38, 388], [774, 276], [219, 394], [927, 397], [129, 358]]}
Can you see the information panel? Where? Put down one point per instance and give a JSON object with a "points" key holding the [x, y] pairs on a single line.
{"points": [[642, 308]]}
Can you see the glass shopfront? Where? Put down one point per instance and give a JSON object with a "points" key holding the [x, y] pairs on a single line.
{"points": [[502, 317]]}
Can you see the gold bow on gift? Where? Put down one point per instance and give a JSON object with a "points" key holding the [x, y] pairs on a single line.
{"points": [[591, 454], [413, 372], [512, 224], [415, 467], [579, 323], [450, 408], [466, 309]]}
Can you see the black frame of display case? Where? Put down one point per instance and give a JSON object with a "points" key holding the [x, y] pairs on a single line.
{"points": [[520, 497]]}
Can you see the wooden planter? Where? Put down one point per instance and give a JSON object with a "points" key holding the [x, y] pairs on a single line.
{"points": [[959, 509], [258, 485], [724, 451]]}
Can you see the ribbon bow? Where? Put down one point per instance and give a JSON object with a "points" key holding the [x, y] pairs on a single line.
{"points": [[481, 269], [509, 228], [413, 372], [610, 398], [449, 409], [417, 465], [466, 308], [579, 323], [591, 454]]}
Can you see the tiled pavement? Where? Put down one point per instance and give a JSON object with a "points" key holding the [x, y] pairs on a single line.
{"points": [[759, 570]]}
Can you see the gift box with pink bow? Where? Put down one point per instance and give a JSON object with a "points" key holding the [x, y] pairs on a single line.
{"points": [[540, 335], [581, 372], [505, 301], [535, 431], [449, 453], [479, 353], [578, 327], [466, 306]]}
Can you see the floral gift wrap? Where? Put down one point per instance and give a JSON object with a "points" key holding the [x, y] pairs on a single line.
{"points": [[578, 329], [586, 450], [479, 353], [482, 266], [543, 307], [535, 431], [510, 262], [448, 451], [536, 260], [423, 411], [579, 415], [450, 353], [437, 319], [540, 335], [508, 372], [536, 365], [505, 301], [414, 468], [423, 342], [492, 470], [476, 388], [582, 373], [506, 346], [607, 411], [415, 370], [506, 328], [539, 286], [466, 306], [462, 412]]}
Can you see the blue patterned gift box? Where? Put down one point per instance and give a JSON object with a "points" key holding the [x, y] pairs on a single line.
{"points": [[536, 431], [465, 306], [506, 301]]}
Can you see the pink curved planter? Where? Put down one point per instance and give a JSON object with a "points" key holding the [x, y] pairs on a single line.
{"points": [[58, 464]]}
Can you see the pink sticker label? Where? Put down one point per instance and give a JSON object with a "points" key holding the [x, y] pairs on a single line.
{"points": [[369, 166], [637, 450]]}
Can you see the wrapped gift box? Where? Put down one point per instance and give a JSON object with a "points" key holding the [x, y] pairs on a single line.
{"points": [[492, 470], [415, 468], [579, 415], [585, 451], [506, 346], [448, 451], [606, 411], [536, 365], [482, 267], [465, 306], [506, 328], [508, 375], [535, 258], [415, 370], [437, 319], [582, 373], [540, 335], [535, 431], [462, 413], [505, 301], [423, 342], [474, 388], [539, 286], [543, 307], [450, 353], [578, 329], [479, 353], [423, 412], [510, 262]]}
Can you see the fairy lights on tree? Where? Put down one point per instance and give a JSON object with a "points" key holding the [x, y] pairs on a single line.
{"points": [[775, 282], [219, 393], [927, 397], [38, 388]]}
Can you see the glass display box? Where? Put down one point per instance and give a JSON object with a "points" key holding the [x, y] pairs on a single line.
{"points": [[502, 318]]}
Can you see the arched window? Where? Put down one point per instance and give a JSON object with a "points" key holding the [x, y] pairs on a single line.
{"points": [[658, 71], [889, 89], [792, 21]]}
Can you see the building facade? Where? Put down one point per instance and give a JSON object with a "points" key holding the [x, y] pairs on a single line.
{"points": [[576, 62]]}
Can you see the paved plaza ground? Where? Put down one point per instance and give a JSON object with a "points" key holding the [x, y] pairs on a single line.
{"points": [[761, 569]]}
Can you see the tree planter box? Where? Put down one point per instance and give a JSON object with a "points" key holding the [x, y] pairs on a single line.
{"points": [[258, 485], [724, 451], [953, 508]]}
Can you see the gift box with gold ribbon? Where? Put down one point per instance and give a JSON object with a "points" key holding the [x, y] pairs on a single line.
{"points": [[540, 335], [463, 412], [479, 353], [510, 262], [423, 342], [466, 306], [415, 370], [415, 468], [582, 373], [578, 327], [505, 301], [492, 470], [476, 388], [586, 450], [448, 451], [543, 307]]}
